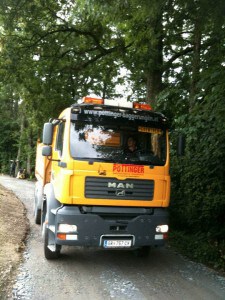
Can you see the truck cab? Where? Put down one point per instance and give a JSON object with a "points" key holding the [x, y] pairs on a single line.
{"points": [[92, 190]]}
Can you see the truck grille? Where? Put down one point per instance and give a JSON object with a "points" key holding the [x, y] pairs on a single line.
{"points": [[112, 188]]}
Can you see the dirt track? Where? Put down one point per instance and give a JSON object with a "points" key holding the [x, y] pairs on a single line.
{"points": [[13, 231], [96, 274]]}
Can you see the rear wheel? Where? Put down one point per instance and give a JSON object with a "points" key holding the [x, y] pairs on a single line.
{"points": [[37, 214], [37, 199]]}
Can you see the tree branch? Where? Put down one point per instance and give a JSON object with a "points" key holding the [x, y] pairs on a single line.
{"points": [[168, 64]]}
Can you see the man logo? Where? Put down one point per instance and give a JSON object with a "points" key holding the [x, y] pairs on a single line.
{"points": [[120, 185], [120, 193]]}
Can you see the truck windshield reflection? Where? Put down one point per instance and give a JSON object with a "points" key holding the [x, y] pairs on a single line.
{"points": [[117, 143]]}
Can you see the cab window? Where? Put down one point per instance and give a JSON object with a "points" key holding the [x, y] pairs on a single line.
{"points": [[59, 139]]}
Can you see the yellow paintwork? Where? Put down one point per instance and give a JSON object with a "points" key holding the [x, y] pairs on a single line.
{"points": [[83, 169], [69, 182], [42, 166]]}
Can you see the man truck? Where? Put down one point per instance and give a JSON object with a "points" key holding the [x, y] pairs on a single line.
{"points": [[90, 191]]}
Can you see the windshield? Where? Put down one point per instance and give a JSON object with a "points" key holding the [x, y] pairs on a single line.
{"points": [[118, 143]]}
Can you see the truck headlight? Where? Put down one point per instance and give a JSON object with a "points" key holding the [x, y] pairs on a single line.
{"points": [[162, 228], [67, 228]]}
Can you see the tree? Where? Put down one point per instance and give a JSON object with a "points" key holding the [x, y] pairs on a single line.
{"points": [[65, 49], [199, 197], [9, 127], [55, 55]]}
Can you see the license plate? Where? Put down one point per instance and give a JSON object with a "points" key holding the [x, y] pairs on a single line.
{"points": [[117, 243]]}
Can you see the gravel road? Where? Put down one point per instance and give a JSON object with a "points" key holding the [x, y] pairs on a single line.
{"points": [[96, 274]]}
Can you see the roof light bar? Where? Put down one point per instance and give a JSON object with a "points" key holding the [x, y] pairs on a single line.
{"points": [[91, 100], [143, 106], [118, 103]]}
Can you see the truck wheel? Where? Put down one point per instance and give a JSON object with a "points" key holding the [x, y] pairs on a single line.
{"points": [[37, 211], [142, 251], [51, 250], [37, 214]]}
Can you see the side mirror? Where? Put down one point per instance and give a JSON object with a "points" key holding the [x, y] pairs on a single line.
{"points": [[47, 133], [181, 145], [47, 151]]}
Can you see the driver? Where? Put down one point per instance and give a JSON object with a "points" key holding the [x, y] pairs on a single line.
{"points": [[131, 146]]}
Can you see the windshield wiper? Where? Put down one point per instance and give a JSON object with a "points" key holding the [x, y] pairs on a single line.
{"points": [[108, 160], [93, 159]]}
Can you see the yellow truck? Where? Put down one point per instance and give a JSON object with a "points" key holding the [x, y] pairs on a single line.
{"points": [[103, 178]]}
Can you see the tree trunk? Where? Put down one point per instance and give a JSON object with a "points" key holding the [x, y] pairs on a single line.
{"points": [[154, 71], [30, 145], [154, 86], [197, 35], [19, 145]]}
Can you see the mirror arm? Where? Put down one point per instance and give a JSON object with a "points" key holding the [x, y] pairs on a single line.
{"points": [[51, 159]]}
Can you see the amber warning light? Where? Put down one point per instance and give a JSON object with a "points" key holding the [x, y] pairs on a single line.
{"points": [[143, 106], [91, 100]]}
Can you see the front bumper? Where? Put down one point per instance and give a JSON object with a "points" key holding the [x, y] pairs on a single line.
{"points": [[96, 227]]}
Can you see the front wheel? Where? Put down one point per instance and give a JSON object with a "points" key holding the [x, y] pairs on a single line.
{"points": [[142, 251], [51, 249]]}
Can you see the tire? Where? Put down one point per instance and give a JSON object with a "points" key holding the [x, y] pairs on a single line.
{"points": [[37, 213], [142, 251], [49, 241], [51, 249]]}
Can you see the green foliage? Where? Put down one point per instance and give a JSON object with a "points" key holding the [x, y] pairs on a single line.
{"points": [[52, 54], [58, 52], [200, 247], [198, 190], [200, 175], [9, 127]]}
